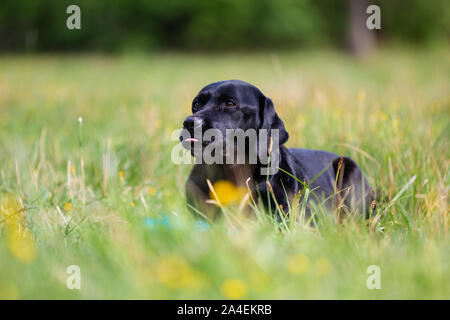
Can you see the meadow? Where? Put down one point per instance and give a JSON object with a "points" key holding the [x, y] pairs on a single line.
{"points": [[86, 177]]}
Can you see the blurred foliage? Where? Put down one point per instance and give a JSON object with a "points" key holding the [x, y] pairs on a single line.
{"points": [[113, 25]]}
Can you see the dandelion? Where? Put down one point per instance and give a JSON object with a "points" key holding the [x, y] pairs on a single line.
{"points": [[297, 264], [132, 204], [9, 205], [10, 209], [68, 206], [20, 242], [234, 289], [227, 193], [121, 175], [322, 267], [151, 190]]}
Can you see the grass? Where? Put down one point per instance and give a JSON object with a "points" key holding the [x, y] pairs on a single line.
{"points": [[95, 193]]}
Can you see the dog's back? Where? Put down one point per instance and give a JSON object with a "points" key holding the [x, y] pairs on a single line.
{"points": [[338, 179]]}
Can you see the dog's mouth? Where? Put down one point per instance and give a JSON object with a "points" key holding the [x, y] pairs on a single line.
{"points": [[191, 143]]}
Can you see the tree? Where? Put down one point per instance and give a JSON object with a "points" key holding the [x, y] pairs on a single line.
{"points": [[362, 41]]}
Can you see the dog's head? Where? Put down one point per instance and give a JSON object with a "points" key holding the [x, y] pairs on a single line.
{"points": [[231, 104]]}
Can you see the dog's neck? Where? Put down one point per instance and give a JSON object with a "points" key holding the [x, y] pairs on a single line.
{"points": [[238, 174]]}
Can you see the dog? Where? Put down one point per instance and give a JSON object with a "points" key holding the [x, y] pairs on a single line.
{"points": [[333, 180]]}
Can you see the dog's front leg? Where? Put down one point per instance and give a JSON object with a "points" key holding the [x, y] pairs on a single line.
{"points": [[197, 190], [272, 197], [197, 200]]}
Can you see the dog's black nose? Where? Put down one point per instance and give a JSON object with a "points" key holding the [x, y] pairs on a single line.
{"points": [[192, 122]]}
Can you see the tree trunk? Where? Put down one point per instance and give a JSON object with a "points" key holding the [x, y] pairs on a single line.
{"points": [[361, 39]]}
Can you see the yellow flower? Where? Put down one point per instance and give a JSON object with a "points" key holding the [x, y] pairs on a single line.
{"points": [[68, 206], [297, 264], [21, 245], [132, 204], [323, 267], [9, 205], [151, 190], [234, 289], [227, 193], [19, 241], [10, 210], [121, 175]]}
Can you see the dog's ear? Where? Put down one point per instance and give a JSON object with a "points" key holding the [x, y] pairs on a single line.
{"points": [[269, 119]]}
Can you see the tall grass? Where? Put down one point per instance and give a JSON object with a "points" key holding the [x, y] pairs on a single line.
{"points": [[102, 193]]}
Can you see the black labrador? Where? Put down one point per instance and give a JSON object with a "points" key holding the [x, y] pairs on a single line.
{"points": [[335, 181]]}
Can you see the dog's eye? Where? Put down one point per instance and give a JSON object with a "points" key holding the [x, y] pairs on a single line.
{"points": [[230, 103], [197, 105]]}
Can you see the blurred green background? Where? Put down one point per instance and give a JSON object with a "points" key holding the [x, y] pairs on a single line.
{"points": [[117, 25]]}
